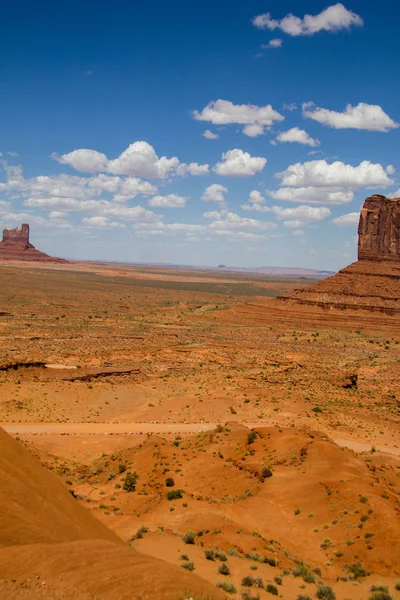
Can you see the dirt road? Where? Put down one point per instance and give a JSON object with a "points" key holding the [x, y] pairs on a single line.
{"points": [[99, 429]]}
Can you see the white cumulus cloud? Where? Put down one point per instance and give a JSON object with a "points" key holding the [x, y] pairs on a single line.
{"points": [[83, 160], [275, 43], [224, 112], [333, 18], [313, 195], [319, 173], [236, 163], [210, 135], [256, 202], [349, 220], [102, 222], [215, 193], [303, 214], [139, 159], [168, 201], [298, 136], [370, 117]]}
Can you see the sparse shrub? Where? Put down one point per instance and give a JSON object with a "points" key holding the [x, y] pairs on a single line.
{"points": [[324, 592], [269, 561], [317, 410], [251, 437], [121, 468], [272, 589], [302, 571], [379, 588], [130, 481], [189, 537], [174, 495], [189, 565], [227, 586], [297, 511], [209, 554], [248, 581], [184, 557], [278, 580], [224, 569], [380, 595], [397, 586], [303, 597], [220, 555], [141, 531], [356, 570], [246, 595], [169, 482], [265, 473]]}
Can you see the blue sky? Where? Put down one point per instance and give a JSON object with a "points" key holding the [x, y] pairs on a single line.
{"points": [[246, 134]]}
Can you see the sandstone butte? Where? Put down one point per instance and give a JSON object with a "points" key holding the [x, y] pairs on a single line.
{"points": [[15, 245], [371, 283]]}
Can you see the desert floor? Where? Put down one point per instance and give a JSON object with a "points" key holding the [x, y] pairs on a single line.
{"points": [[277, 427]]}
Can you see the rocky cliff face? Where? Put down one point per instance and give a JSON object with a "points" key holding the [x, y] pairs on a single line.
{"points": [[373, 282], [379, 229], [17, 237], [15, 245]]}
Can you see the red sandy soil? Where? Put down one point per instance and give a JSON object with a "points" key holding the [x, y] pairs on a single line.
{"points": [[52, 547], [162, 359]]}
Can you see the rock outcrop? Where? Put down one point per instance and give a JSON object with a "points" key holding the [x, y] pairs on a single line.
{"points": [[373, 282], [379, 229], [15, 245]]}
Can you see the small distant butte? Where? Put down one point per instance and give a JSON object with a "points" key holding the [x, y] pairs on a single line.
{"points": [[15, 245]]}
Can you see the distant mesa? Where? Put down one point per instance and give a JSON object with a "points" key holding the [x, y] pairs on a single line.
{"points": [[15, 245], [373, 282]]}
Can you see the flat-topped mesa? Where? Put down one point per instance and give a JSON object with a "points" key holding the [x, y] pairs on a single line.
{"points": [[17, 237], [379, 229]]}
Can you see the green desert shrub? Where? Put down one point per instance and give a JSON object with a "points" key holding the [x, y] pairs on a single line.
{"points": [[130, 481], [380, 595], [189, 537], [189, 565], [174, 495], [324, 592], [227, 586], [224, 569]]}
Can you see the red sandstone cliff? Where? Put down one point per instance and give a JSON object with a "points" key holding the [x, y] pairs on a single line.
{"points": [[373, 282], [15, 245]]}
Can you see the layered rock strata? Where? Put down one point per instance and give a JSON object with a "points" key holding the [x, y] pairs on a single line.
{"points": [[373, 282], [15, 245]]}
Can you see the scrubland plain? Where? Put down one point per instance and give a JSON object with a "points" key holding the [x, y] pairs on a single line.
{"points": [[239, 438]]}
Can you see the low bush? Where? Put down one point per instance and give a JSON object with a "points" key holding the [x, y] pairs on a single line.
{"points": [[272, 589], [169, 482], [324, 592], [189, 566], [189, 537], [227, 586], [224, 569], [130, 482], [174, 495], [380, 595]]}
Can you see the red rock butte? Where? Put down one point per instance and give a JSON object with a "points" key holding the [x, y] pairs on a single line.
{"points": [[373, 282], [15, 245]]}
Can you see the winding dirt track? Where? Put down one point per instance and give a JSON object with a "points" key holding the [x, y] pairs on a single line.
{"points": [[98, 429]]}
